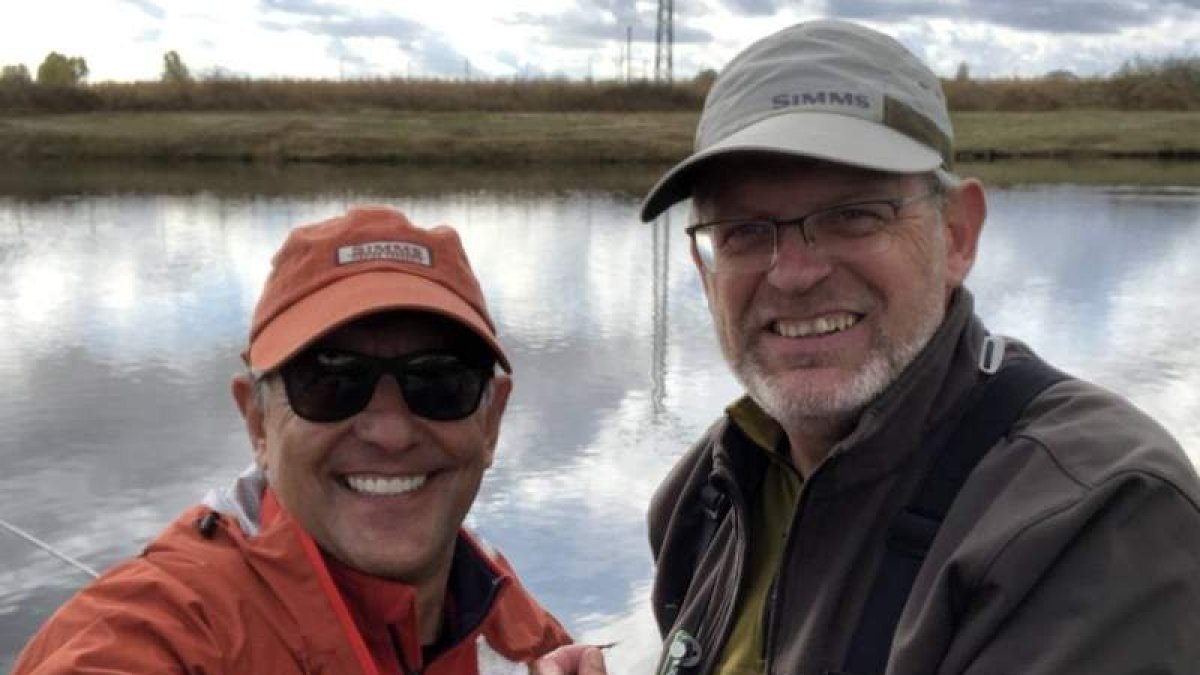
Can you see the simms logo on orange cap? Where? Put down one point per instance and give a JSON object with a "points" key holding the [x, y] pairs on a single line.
{"points": [[371, 259], [398, 251]]}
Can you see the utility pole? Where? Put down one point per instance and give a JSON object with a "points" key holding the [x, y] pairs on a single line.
{"points": [[664, 42], [628, 53]]}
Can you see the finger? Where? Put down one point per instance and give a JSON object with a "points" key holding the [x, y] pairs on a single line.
{"points": [[544, 667], [592, 662], [547, 665]]}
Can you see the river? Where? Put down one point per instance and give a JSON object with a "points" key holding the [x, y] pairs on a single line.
{"points": [[126, 302]]}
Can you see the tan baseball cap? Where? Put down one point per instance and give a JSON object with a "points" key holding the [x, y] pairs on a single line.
{"points": [[372, 259], [829, 90]]}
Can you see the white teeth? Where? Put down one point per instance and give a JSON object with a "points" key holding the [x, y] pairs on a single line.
{"points": [[831, 323], [376, 485]]}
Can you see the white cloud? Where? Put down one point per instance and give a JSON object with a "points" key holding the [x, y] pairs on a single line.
{"points": [[310, 38]]}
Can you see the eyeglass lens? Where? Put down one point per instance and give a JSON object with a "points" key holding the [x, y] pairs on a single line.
{"points": [[843, 230]]}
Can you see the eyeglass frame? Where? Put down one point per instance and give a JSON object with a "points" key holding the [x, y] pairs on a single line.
{"points": [[896, 204]]}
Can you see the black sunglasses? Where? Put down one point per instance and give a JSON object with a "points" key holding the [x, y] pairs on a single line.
{"points": [[329, 385]]}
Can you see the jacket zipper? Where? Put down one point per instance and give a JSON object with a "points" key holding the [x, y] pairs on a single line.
{"points": [[400, 656], [720, 635], [469, 633], [773, 597]]}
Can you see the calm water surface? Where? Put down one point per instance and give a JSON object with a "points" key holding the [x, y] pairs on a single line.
{"points": [[122, 316]]}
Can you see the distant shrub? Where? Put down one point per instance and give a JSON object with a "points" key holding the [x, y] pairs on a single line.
{"points": [[15, 74], [1168, 84], [232, 93], [62, 71], [174, 70], [705, 79], [32, 97]]}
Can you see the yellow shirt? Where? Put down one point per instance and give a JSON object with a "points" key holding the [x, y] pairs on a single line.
{"points": [[771, 511]]}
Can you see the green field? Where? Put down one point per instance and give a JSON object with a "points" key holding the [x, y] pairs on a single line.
{"points": [[439, 138], [1079, 134], [498, 139]]}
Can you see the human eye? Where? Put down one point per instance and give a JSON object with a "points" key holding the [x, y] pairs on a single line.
{"points": [[323, 369], [435, 363], [855, 220], [442, 372], [744, 235], [337, 362]]}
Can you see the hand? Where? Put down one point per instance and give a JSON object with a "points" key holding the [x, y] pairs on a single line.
{"points": [[571, 660]]}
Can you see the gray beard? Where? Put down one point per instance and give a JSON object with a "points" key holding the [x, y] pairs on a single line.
{"points": [[833, 409]]}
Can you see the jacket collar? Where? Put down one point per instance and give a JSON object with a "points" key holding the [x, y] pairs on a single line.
{"points": [[382, 608], [287, 558]]}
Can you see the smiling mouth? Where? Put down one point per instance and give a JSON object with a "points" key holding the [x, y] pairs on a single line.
{"points": [[822, 325], [375, 485]]}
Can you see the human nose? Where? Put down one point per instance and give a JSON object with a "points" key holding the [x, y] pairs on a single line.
{"points": [[386, 422], [799, 264]]}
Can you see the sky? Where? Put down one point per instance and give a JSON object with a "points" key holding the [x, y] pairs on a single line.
{"points": [[124, 40]]}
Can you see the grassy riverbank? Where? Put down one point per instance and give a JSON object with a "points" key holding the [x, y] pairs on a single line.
{"points": [[384, 183], [498, 139]]}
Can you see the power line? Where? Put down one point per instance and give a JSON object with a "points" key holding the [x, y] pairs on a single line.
{"points": [[664, 42]]}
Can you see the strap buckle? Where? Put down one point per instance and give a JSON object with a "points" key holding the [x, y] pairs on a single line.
{"points": [[991, 357]]}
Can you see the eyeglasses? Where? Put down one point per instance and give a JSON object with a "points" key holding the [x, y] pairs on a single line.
{"points": [[329, 385], [745, 245]]}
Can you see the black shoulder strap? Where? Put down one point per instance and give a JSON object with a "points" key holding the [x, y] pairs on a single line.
{"points": [[996, 407]]}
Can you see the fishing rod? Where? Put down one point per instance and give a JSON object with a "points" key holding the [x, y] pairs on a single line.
{"points": [[48, 548]]}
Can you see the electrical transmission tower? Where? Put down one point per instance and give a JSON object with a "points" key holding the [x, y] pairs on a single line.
{"points": [[664, 42]]}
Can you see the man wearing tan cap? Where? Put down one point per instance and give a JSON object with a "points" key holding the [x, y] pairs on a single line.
{"points": [[373, 410], [898, 491]]}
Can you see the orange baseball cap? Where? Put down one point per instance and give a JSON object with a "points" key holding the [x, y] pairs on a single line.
{"points": [[372, 259]]}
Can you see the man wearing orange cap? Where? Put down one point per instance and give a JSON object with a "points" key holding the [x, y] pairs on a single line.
{"points": [[373, 410]]}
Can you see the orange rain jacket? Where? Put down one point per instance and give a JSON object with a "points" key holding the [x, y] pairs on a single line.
{"points": [[232, 602]]}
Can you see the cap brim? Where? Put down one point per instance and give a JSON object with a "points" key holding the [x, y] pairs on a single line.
{"points": [[356, 296], [826, 136]]}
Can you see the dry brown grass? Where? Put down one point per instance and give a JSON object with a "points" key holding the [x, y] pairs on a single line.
{"points": [[381, 94], [1174, 91], [1169, 84]]}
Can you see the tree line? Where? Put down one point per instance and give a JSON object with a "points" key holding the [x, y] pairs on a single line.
{"points": [[59, 70], [60, 86]]}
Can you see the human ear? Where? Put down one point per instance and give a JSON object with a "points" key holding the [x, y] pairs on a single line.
{"points": [[496, 401], [250, 406], [963, 217]]}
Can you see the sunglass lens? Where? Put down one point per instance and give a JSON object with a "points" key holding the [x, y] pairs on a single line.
{"points": [[327, 386], [442, 387]]}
